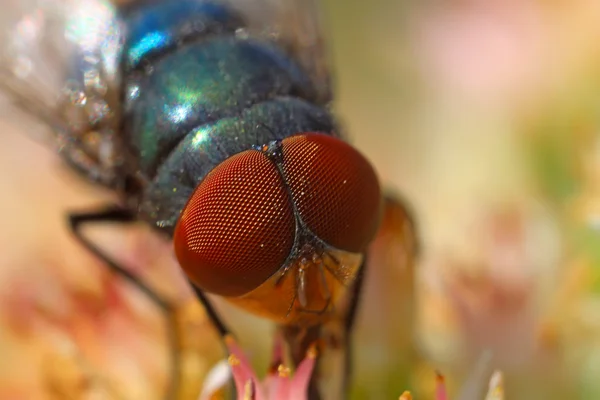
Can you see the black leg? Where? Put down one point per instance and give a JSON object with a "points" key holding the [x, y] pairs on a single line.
{"points": [[349, 321], [108, 215], [211, 312], [114, 214]]}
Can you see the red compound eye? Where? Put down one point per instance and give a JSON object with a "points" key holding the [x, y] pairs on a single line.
{"points": [[237, 228], [335, 189]]}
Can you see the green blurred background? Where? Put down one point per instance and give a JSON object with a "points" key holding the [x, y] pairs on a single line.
{"points": [[485, 115]]}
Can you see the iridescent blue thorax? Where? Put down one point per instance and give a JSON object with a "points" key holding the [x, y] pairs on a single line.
{"points": [[197, 92], [160, 27]]}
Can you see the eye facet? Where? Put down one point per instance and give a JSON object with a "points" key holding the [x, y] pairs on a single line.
{"points": [[238, 227], [335, 189]]}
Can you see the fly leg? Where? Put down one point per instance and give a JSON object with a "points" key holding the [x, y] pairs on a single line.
{"points": [[212, 314], [113, 214], [119, 215]]}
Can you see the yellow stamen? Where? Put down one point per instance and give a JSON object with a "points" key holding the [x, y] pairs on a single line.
{"points": [[284, 372], [312, 351], [406, 396], [233, 360]]}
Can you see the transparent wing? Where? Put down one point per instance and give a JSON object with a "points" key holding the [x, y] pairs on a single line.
{"points": [[297, 26], [58, 63]]}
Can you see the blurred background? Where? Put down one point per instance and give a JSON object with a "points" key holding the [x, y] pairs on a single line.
{"points": [[483, 115]]}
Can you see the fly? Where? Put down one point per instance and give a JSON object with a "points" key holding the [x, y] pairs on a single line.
{"points": [[211, 121]]}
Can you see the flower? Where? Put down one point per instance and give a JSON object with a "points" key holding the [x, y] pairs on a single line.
{"points": [[281, 385], [278, 385], [495, 388]]}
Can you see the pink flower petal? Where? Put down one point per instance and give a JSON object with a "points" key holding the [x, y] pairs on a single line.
{"points": [[301, 380], [440, 391], [278, 384], [244, 377], [277, 380]]}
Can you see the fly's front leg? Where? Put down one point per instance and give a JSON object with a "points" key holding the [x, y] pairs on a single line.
{"points": [[114, 214], [119, 215], [212, 314]]}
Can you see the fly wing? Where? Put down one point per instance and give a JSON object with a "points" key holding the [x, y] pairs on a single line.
{"points": [[297, 27], [58, 64]]}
